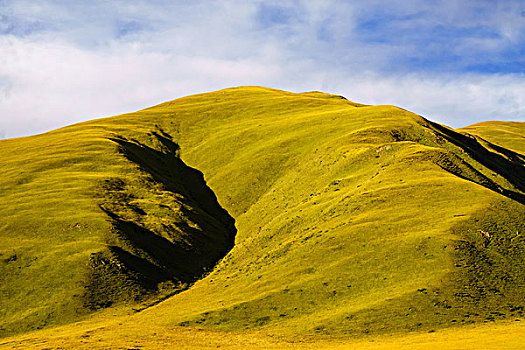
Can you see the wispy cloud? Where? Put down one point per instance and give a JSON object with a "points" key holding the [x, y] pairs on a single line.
{"points": [[454, 62]]}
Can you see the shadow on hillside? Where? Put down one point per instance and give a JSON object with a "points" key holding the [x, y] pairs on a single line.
{"points": [[512, 170], [149, 248]]}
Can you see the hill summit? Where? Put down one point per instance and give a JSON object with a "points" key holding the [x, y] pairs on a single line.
{"points": [[255, 208]]}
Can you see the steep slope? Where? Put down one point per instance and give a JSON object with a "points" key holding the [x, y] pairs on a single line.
{"points": [[350, 219], [509, 135], [92, 219]]}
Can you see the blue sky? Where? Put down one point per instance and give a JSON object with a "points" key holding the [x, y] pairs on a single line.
{"points": [[455, 62]]}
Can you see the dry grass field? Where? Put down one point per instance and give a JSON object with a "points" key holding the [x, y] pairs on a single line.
{"points": [[258, 218]]}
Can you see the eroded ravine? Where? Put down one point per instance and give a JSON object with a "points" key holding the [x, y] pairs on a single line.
{"points": [[168, 228]]}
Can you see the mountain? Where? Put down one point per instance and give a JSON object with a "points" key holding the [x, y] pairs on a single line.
{"points": [[258, 209]]}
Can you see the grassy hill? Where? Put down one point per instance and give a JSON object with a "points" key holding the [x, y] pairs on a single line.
{"points": [[509, 135], [92, 218], [326, 218]]}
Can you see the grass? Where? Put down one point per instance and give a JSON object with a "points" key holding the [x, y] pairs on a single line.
{"points": [[350, 221], [92, 220], [110, 332], [505, 134]]}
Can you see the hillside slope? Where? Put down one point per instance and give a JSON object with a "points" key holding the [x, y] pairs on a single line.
{"points": [[510, 135], [349, 219], [91, 219]]}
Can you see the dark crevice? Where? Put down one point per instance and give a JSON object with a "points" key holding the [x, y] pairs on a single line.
{"points": [[458, 167], [511, 155], [170, 171], [512, 170], [176, 241]]}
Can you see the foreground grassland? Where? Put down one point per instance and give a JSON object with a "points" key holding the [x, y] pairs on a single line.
{"points": [[351, 222], [118, 333]]}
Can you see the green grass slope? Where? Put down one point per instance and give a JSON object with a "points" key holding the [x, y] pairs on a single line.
{"points": [[349, 219]]}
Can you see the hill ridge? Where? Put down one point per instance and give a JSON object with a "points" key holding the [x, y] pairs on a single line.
{"points": [[341, 215]]}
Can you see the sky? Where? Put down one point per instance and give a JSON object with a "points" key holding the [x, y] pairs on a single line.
{"points": [[453, 62]]}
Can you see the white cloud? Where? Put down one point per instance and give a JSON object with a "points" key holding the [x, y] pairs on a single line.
{"points": [[56, 84], [453, 100], [87, 61]]}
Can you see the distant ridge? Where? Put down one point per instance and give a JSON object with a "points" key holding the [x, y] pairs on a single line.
{"points": [[506, 134]]}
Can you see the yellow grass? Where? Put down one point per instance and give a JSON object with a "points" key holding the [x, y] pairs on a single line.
{"points": [[357, 226], [121, 332]]}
